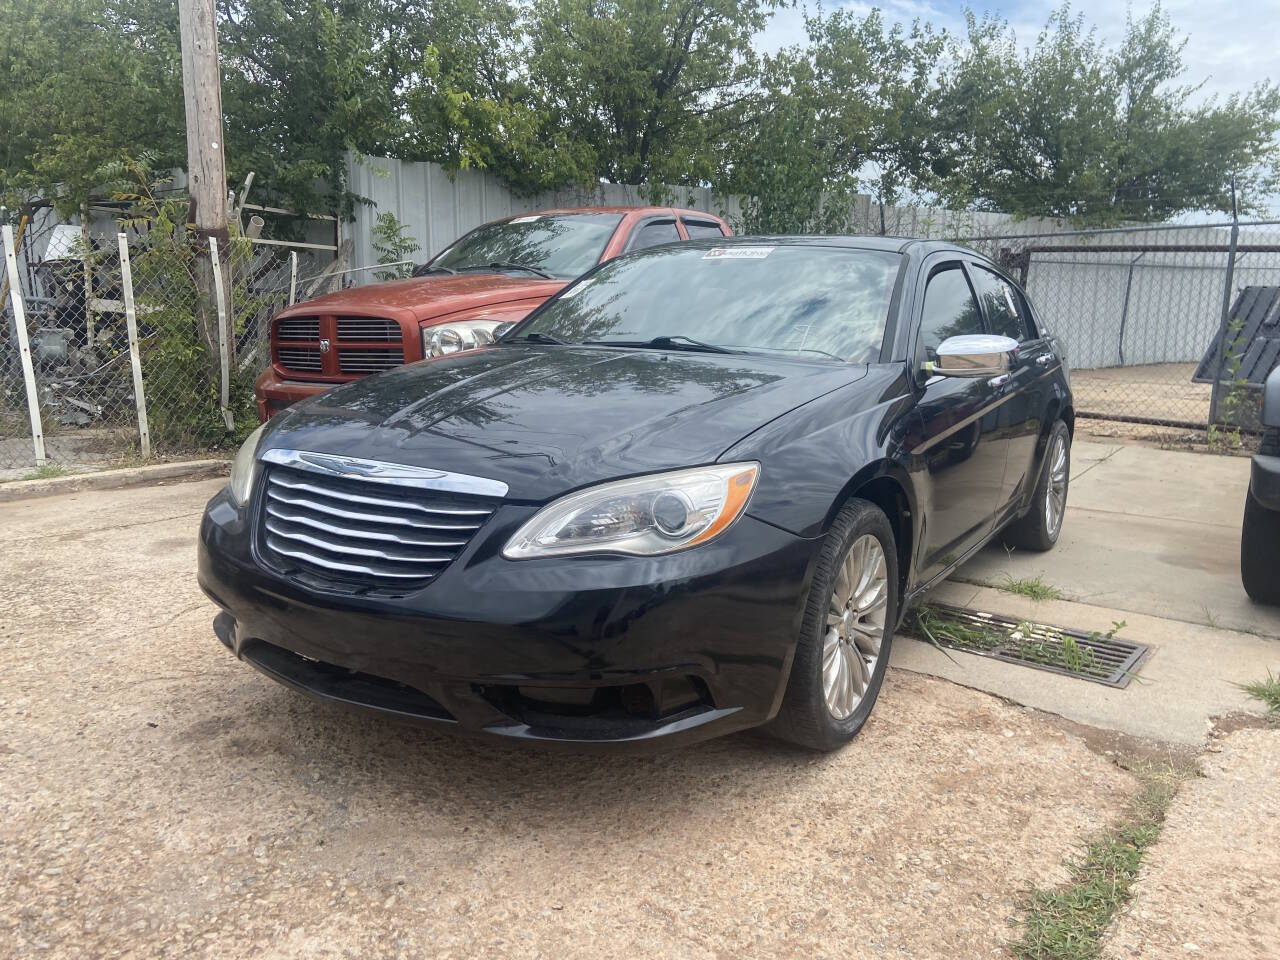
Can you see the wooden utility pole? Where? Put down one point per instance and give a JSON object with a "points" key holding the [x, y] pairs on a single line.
{"points": [[206, 167]]}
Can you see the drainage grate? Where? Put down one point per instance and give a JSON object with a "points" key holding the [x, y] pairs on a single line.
{"points": [[1095, 657]]}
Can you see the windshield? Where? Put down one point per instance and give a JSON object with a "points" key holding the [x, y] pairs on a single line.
{"points": [[563, 245], [801, 299]]}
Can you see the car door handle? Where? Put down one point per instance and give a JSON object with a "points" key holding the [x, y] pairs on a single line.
{"points": [[1045, 359], [995, 383]]}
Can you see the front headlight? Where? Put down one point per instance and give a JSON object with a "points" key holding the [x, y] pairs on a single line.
{"points": [[643, 517], [244, 467], [446, 338]]}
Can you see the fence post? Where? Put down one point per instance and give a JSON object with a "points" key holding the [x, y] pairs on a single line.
{"points": [[24, 347], [224, 356], [1221, 352], [131, 321], [1124, 311], [293, 277]]}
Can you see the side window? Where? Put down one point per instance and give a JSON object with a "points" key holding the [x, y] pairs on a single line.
{"points": [[698, 229], [949, 310], [653, 233], [1005, 310]]}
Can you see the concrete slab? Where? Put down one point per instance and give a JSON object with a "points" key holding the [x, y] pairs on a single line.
{"points": [[182, 471], [1192, 674], [1211, 885], [1147, 531]]}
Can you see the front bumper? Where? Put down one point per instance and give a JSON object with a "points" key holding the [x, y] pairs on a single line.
{"points": [[273, 393], [623, 652], [1264, 481]]}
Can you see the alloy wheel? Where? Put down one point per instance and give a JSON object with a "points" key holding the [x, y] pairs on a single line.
{"points": [[855, 626], [1056, 490]]}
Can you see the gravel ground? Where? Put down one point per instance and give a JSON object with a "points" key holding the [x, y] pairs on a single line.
{"points": [[159, 799], [1210, 886]]}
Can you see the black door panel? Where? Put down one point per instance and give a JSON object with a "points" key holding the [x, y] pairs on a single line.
{"points": [[1027, 388], [960, 441]]}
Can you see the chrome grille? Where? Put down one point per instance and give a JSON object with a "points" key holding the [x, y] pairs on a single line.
{"points": [[298, 328], [369, 329], [368, 361], [306, 359], [357, 535]]}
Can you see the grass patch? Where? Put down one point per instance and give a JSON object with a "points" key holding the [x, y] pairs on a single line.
{"points": [[1266, 692], [44, 473], [1032, 587], [1069, 924], [941, 630], [1041, 645]]}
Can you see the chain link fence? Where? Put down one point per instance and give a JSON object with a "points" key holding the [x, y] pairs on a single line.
{"points": [[1153, 317], [76, 300]]}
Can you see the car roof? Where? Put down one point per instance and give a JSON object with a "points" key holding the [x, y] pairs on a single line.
{"points": [[566, 211], [851, 242]]}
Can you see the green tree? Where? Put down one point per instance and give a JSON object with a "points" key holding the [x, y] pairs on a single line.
{"points": [[1070, 128], [85, 82], [641, 90], [854, 109]]}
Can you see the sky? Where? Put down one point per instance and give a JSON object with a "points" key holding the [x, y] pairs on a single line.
{"points": [[1232, 44]]}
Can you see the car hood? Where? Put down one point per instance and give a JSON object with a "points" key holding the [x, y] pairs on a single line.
{"points": [[548, 419], [422, 298]]}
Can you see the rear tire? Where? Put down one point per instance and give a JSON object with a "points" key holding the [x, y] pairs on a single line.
{"points": [[1260, 552], [1038, 530], [823, 709]]}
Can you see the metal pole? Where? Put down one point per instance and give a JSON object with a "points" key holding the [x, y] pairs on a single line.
{"points": [[1124, 311], [90, 334], [1227, 285], [293, 277], [24, 348], [224, 356], [131, 320]]}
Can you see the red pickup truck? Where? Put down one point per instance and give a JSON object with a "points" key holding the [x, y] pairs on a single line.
{"points": [[493, 275]]}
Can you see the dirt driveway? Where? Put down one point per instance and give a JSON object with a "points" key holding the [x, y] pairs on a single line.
{"points": [[158, 798]]}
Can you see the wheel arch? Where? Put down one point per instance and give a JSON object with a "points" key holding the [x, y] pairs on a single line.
{"points": [[887, 485]]}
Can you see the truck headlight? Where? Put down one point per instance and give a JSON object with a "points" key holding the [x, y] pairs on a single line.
{"points": [[644, 516], [447, 338], [244, 467]]}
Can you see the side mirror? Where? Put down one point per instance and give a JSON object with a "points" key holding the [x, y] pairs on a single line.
{"points": [[974, 355]]}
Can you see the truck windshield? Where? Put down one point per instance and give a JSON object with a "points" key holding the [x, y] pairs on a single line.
{"points": [[562, 245], [819, 302]]}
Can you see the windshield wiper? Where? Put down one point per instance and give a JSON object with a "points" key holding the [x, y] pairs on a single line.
{"points": [[513, 265], [534, 337], [677, 342], [423, 270]]}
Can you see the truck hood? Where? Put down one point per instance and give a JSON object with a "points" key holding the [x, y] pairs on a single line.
{"points": [[549, 419], [423, 298]]}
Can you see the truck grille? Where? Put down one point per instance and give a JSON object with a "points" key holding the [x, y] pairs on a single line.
{"points": [[356, 535], [369, 361], [338, 346], [299, 328], [369, 328], [303, 359]]}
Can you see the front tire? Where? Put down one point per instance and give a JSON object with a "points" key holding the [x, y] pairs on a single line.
{"points": [[846, 634], [1260, 552], [1039, 529]]}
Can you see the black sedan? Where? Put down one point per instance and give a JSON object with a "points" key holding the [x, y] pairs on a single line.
{"points": [[690, 494]]}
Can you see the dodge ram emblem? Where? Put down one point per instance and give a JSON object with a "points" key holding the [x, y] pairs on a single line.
{"points": [[324, 346]]}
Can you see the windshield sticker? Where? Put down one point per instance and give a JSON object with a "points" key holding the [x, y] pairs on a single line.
{"points": [[525, 219], [577, 289], [737, 253]]}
